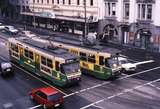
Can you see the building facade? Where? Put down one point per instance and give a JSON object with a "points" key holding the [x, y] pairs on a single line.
{"points": [[131, 22]]}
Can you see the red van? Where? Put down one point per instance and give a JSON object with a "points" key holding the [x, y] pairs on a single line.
{"points": [[49, 97]]}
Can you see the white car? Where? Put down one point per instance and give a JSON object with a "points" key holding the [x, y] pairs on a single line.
{"points": [[1, 26], [5, 68], [126, 65], [11, 29], [28, 34]]}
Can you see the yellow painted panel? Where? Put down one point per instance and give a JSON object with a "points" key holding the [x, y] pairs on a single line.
{"points": [[86, 65]]}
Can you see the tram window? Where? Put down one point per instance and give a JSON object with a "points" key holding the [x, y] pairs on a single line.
{"points": [[49, 63], [107, 62], [43, 60], [14, 47], [74, 52], [83, 56], [91, 58], [57, 65], [101, 60], [28, 54]]}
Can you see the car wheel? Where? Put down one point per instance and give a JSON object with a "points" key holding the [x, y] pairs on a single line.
{"points": [[123, 70], [31, 97]]}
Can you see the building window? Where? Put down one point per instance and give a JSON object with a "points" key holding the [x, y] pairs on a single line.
{"points": [[63, 1], [37, 1], [149, 11], [42, 1], [110, 9], [33, 1], [78, 2], [91, 2], [47, 1], [69, 2], [145, 11], [52, 1], [57, 1], [113, 9], [126, 10]]}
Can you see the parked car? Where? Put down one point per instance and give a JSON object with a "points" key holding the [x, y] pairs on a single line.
{"points": [[11, 29], [5, 68], [28, 34], [49, 97], [1, 26], [126, 65]]}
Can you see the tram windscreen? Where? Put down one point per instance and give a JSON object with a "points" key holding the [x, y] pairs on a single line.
{"points": [[113, 62], [71, 67]]}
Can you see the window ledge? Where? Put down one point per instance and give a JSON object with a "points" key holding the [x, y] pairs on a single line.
{"points": [[144, 20], [110, 17]]}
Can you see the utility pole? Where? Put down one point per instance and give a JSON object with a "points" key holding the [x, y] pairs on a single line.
{"points": [[85, 19], [34, 19], [25, 16]]}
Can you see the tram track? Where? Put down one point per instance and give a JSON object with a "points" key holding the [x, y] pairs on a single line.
{"points": [[108, 82], [98, 85], [121, 93], [89, 88], [1, 57]]}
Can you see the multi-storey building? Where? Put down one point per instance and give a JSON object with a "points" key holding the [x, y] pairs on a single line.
{"points": [[134, 22]]}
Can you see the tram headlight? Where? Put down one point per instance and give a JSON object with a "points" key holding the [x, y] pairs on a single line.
{"points": [[114, 65]]}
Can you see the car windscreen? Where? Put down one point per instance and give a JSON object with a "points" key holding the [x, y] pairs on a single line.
{"points": [[5, 65], [55, 97], [71, 67], [123, 61]]}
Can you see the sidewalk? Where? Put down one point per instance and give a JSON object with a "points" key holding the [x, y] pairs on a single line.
{"points": [[48, 32]]}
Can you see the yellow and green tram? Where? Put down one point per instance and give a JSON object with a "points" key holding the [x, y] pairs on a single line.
{"points": [[55, 64], [101, 63]]}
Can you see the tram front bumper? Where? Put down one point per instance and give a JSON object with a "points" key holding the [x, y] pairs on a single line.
{"points": [[117, 71], [74, 78]]}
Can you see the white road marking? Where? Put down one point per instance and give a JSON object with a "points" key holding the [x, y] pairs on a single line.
{"points": [[99, 107], [2, 43], [123, 74], [7, 105], [107, 82], [35, 107], [144, 62], [123, 92], [154, 86]]}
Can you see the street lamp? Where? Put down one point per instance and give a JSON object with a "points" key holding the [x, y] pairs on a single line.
{"points": [[34, 19], [25, 16], [85, 19]]}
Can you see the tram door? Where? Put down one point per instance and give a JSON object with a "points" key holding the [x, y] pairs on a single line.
{"points": [[21, 55], [37, 63]]}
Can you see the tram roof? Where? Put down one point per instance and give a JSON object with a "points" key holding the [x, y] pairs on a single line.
{"points": [[44, 47], [96, 48]]}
